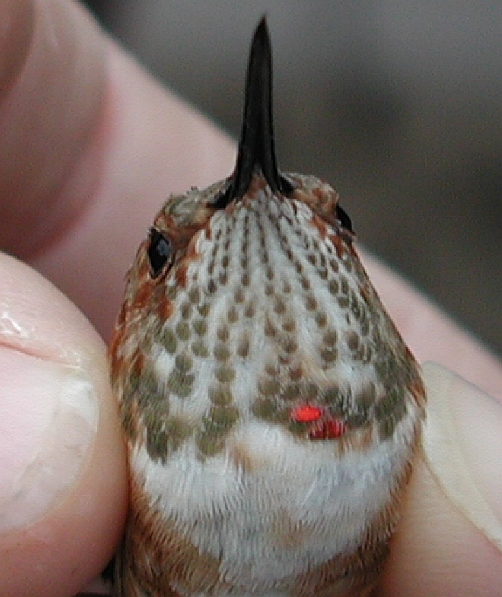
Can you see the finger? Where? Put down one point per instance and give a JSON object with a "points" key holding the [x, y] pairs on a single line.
{"points": [[91, 148], [450, 539], [63, 489], [52, 96]]}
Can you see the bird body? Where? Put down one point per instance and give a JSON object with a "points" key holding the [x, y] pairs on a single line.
{"points": [[270, 407]]}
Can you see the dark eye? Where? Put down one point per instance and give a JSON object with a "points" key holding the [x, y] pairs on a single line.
{"points": [[159, 252], [344, 219]]}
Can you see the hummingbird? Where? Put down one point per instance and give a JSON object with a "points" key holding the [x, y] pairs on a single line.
{"points": [[270, 407]]}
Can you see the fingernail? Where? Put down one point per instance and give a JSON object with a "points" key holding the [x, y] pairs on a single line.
{"points": [[463, 448], [47, 427]]}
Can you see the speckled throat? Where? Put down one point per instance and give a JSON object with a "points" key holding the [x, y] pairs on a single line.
{"points": [[270, 406]]}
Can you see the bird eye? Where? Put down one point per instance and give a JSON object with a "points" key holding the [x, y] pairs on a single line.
{"points": [[344, 219], [159, 252]]}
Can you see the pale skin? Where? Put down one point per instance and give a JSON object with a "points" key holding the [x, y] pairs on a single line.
{"points": [[90, 147]]}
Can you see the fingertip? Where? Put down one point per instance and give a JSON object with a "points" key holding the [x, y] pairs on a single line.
{"points": [[463, 450], [63, 479], [448, 541]]}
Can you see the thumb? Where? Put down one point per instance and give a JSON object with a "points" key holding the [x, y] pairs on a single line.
{"points": [[62, 477], [450, 538]]}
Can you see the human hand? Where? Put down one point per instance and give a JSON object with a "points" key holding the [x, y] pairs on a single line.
{"points": [[90, 148]]}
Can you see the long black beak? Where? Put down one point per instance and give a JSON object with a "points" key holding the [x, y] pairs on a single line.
{"points": [[256, 146]]}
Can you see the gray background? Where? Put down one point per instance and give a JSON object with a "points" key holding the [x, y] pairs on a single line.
{"points": [[397, 104]]}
